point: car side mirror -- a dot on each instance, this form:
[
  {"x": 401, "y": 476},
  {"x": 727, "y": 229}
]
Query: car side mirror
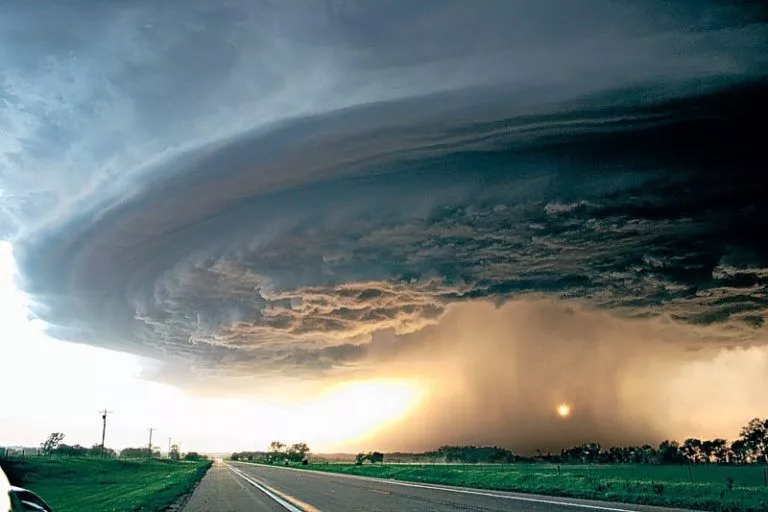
[{"x": 27, "y": 501}]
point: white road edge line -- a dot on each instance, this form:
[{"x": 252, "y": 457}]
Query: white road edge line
[
  {"x": 519, "y": 498},
  {"x": 462, "y": 491},
  {"x": 263, "y": 489}
]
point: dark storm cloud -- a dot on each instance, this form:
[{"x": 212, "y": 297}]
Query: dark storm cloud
[{"x": 260, "y": 187}]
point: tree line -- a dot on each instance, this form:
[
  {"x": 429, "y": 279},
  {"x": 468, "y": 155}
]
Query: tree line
[
  {"x": 278, "y": 452},
  {"x": 750, "y": 447},
  {"x": 53, "y": 445},
  {"x": 372, "y": 457}
]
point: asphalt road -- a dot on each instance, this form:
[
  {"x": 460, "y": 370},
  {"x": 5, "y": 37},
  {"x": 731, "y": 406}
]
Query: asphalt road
[{"x": 237, "y": 487}]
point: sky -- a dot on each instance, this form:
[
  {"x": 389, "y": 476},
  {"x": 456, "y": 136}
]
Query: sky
[{"x": 231, "y": 221}]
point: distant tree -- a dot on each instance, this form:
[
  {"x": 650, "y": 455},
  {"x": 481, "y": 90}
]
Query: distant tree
[
  {"x": 372, "y": 457},
  {"x": 174, "y": 453},
  {"x": 646, "y": 454},
  {"x": 669, "y": 453},
  {"x": 616, "y": 454},
  {"x": 51, "y": 442},
  {"x": 276, "y": 450},
  {"x": 498, "y": 454},
  {"x": 134, "y": 453},
  {"x": 755, "y": 437},
  {"x": 591, "y": 451},
  {"x": 194, "y": 456},
  {"x": 691, "y": 448},
  {"x": 297, "y": 452},
  {"x": 720, "y": 450},
  {"x": 714, "y": 450},
  {"x": 585, "y": 453},
  {"x": 252, "y": 456},
  {"x": 66, "y": 450},
  {"x": 739, "y": 452},
  {"x": 471, "y": 454},
  {"x": 95, "y": 451}
]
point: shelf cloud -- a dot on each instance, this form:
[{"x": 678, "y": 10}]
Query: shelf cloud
[{"x": 261, "y": 188}]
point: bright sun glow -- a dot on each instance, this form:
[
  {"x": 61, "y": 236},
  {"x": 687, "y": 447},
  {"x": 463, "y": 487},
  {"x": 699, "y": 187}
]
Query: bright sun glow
[
  {"x": 357, "y": 409},
  {"x": 564, "y": 410}
]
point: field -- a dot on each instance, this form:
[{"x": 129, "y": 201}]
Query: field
[
  {"x": 714, "y": 487},
  {"x": 101, "y": 485}
]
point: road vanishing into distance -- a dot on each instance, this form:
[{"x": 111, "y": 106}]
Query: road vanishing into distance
[{"x": 241, "y": 487}]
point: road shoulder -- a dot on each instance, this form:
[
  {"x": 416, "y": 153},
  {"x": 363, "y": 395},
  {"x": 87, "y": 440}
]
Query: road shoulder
[{"x": 223, "y": 491}]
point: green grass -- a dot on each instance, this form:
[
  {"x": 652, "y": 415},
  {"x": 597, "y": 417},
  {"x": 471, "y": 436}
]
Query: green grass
[
  {"x": 114, "y": 485},
  {"x": 645, "y": 484}
]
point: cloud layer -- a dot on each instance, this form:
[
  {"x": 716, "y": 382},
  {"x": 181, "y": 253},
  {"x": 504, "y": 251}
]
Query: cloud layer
[{"x": 260, "y": 188}]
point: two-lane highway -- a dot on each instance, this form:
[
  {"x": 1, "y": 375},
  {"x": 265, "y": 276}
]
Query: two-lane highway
[{"x": 238, "y": 487}]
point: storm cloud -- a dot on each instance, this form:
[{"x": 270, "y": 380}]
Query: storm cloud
[{"x": 259, "y": 188}]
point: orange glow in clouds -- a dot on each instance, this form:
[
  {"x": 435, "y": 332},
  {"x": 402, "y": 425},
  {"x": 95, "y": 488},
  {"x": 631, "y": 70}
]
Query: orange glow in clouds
[{"x": 564, "y": 410}]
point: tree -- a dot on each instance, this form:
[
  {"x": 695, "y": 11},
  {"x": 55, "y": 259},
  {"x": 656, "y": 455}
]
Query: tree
[
  {"x": 276, "y": 450},
  {"x": 591, "y": 451},
  {"x": 135, "y": 453},
  {"x": 70, "y": 451},
  {"x": 252, "y": 456},
  {"x": 755, "y": 437},
  {"x": 372, "y": 457},
  {"x": 646, "y": 454},
  {"x": 472, "y": 454},
  {"x": 96, "y": 451},
  {"x": 720, "y": 450},
  {"x": 52, "y": 442},
  {"x": 669, "y": 452},
  {"x": 174, "y": 453},
  {"x": 194, "y": 456},
  {"x": 691, "y": 448},
  {"x": 297, "y": 452},
  {"x": 739, "y": 452},
  {"x": 714, "y": 450}
]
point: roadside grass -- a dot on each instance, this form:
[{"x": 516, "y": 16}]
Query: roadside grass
[
  {"x": 106, "y": 485},
  {"x": 644, "y": 484}
]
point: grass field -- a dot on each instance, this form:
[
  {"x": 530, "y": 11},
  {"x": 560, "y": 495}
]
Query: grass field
[
  {"x": 101, "y": 485},
  {"x": 714, "y": 487}
]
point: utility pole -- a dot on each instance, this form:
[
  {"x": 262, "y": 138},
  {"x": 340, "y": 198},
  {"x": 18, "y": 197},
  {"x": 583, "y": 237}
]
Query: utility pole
[
  {"x": 169, "y": 447},
  {"x": 103, "y": 428},
  {"x": 150, "y": 441}
]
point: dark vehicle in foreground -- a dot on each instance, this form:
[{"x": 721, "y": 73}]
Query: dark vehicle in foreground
[{"x": 16, "y": 499}]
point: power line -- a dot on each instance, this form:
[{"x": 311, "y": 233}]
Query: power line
[{"x": 103, "y": 428}]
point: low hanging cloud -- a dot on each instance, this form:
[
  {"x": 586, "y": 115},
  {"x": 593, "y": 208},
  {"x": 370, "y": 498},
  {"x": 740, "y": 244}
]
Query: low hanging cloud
[{"x": 260, "y": 189}]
